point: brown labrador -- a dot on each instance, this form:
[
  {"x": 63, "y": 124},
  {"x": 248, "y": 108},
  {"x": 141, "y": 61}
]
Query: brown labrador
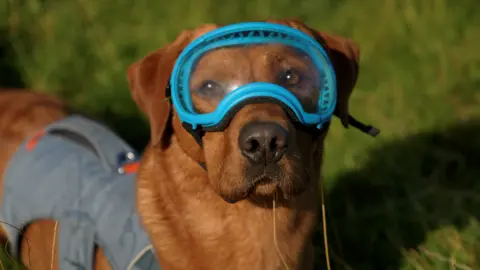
[{"x": 184, "y": 207}]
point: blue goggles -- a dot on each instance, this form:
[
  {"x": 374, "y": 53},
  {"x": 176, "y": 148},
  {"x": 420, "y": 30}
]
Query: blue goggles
[
  {"x": 254, "y": 62},
  {"x": 215, "y": 75}
]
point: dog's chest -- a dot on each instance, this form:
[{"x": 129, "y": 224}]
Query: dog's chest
[
  {"x": 223, "y": 238},
  {"x": 53, "y": 177}
]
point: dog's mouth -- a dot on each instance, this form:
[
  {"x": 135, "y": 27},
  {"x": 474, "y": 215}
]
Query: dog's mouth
[
  {"x": 268, "y": 189},
  {"x": 262, "y": 187},
  {"x": 263, "y": 184},
  {"x": 269, "y": 185},
  {"x": 264, "y": 190}
]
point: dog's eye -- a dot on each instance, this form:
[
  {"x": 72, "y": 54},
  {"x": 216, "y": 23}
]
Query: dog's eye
[
  {"x": 210, "y": 88},
  {"x": 289, "y": 78}
]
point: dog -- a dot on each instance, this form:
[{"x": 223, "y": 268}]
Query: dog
[
  {"x": 243, "y": 196},
  {"x": 223, "y": 200}
]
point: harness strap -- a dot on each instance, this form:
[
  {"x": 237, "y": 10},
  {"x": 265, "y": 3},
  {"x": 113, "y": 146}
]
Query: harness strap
[
  {"x": 105, "y": 144},
  {"x": 145, "y": 260},
  {"x": 77, "y": 233},
  {"x": 76, "y": 245}
]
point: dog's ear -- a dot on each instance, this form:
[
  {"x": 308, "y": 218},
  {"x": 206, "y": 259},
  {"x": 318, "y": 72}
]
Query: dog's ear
[
  {"x": 148, "y": 80},
  {"x": 344, "y": 54},
  {"x": 149, "y": 77}
]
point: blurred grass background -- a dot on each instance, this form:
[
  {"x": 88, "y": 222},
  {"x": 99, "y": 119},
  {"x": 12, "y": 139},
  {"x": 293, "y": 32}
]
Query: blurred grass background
[{"x": 409, "y": 199}]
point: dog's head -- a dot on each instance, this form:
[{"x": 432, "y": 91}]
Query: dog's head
[{"x": 261, "y": 153}]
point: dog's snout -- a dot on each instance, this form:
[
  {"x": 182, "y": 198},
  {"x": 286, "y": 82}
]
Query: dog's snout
[{"x": 263, "y": 142}]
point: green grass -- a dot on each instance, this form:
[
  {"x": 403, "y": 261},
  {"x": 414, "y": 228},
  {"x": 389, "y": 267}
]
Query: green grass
[{"x": 409, "y": 199}]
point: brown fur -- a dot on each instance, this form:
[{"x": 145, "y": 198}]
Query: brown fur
[{"x": 181, "y": 205}]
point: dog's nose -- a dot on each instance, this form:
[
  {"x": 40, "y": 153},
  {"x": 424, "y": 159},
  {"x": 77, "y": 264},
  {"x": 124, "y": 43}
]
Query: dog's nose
[{"x": 263, "y": 142}]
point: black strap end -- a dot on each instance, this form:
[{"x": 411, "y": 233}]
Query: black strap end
[
  {"x": 370, "y": 130},
  {"x": 373, "y": 131}
]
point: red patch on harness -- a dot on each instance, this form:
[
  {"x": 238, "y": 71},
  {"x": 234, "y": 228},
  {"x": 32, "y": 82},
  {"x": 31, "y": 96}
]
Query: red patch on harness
[
  {"x": 34, "y": 140},
  {"x": 131, "y": 167}
]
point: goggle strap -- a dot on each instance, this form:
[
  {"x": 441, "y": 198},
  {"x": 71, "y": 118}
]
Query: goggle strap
[
  {"x": 370, "y": 130},
  {"x": 197, "y": 134}
]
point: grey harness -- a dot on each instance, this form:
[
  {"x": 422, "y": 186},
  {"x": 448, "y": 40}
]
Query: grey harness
[{"x": 74, "y": 173}]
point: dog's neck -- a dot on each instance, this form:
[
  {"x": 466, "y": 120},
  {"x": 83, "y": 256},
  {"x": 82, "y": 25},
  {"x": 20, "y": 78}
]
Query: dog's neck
[{"x": 192, "y": 227}]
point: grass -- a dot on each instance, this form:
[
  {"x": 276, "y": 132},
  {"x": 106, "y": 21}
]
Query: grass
[{"x": 409, "y": 199}]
